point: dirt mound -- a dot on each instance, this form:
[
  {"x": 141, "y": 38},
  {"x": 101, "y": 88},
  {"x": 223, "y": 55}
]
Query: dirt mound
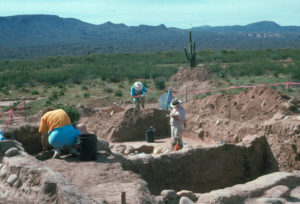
[
  {"x": 196, "y": 74},
  {"x": 256, "y": 103},
  {"x": 223, "y": 118},
  {"x": 118, "y": 124}
]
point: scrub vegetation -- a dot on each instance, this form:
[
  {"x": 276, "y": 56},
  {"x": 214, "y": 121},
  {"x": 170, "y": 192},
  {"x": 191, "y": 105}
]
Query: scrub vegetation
[{"x": 107, "y": 78}]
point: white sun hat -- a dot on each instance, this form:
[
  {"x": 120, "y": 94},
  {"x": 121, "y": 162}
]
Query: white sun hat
[
  {"x": 138, "y": 85},
  {"x": 175, "y": 102}
]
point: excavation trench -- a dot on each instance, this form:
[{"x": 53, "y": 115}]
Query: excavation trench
[
  {"x": 204, "y": 169},
  {"x": 197, "y": 169}
]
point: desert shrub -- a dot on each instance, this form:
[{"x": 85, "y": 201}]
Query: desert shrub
[
  {"x": 108, "y": 90},
  {"x": 159, "y": 83},
  {"x": 86, "y": 95},
  {"x": 119, "y": 93},
  {"x": 48, "y": 102},
  {"x": 84, "y": 88},
  {"x": 70, "y": 110},
  {"x": 34, "y": 92},
  {"x": 54, "y": 94},
  {"x": 61, "y": 92}
]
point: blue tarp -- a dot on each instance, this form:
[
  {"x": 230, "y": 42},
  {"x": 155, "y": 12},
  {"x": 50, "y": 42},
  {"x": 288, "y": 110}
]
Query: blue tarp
[{"x": 165, "y": 100}]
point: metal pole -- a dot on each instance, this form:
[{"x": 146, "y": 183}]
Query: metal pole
[
  {"x": 185, "y": 93},
  {"x": 229, "y": 103}
]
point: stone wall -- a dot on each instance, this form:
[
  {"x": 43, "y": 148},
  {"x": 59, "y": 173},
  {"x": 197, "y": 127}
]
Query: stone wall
[{"x": 24, "y": 179}]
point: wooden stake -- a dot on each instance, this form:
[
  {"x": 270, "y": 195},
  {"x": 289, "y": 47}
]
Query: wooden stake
[{"x": 123, "y": 198}]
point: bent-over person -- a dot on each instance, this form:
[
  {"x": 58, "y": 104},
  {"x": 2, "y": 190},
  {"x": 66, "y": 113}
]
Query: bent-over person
[{"x": 61, "y": 132}]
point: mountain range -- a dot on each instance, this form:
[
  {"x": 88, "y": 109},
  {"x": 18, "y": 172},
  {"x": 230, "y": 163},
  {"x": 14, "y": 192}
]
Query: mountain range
[{"x": 27, "y": 36}]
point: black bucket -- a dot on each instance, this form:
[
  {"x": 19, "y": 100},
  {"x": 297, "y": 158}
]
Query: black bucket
[
  {"x": 149, "y": 135},
  {"x": 87, "y": 147}
]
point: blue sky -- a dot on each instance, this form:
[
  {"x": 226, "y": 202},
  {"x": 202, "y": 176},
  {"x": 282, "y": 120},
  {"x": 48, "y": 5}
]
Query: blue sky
[{"x": 172, "y": 13}]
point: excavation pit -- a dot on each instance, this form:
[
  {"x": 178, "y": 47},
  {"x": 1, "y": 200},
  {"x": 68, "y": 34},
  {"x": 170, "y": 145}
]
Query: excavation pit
[{"x": 204, "y": 169}]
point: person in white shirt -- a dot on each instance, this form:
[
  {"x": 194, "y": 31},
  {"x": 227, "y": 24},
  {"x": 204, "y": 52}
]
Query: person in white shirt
[{"x": 177, "y": 119}]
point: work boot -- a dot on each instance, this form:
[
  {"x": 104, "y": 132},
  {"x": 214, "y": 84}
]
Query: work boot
[{"x": 57, "y": 154}]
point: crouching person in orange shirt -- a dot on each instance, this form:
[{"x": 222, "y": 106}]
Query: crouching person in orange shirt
[{"x": 61, "y": 132}]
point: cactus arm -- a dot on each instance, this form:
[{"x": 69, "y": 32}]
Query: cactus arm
[{"x": 187, "y": 55}]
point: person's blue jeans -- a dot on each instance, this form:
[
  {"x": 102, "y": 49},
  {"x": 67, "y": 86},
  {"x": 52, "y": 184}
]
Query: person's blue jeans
[{"x": 63, "y": 136}]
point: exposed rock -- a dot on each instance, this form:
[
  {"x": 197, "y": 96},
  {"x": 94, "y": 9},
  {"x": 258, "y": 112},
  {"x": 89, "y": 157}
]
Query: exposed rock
[
  {"x": 169, "y": 194},
  {"x": 278, "y": 116},
  {"x": 120, "y": 148},
  {"x": 3, "y": 172},
  {"x": 188, "y": 194},
  {"x": 12, "y": 179},
  {"x": 263, "y": 103},
  {"x": 160, "y": 200},
  {"x": 239, "y": 193},
  {"x": 295, "y": 193},
  {"x": 34, "y": 177},
  {"x": 129, "y": 150},
  {"x": 277, "y": 192},
  {"x": 7, "y": 144},
  {"x": 185, "y": 200},
  {"x": 249, "y": 139},
  {"x": 200, "y": 132},
  {"x": 12, "y": 152},
  {"x": 157, "y": 150}
]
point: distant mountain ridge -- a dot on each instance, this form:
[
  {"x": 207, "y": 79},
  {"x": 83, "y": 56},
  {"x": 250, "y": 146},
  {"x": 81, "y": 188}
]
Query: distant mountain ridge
[
  {"x": 26, "y": 36},
  {"x": 262, "y": 26}
]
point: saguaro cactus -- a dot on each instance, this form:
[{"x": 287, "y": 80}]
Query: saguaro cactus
[{"x": 192, "y": 55}]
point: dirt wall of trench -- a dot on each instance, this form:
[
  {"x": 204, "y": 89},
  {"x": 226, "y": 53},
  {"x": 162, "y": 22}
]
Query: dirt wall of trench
[
  {"x": 205, "y": 169},
  {"x": 28, "y": 135}
]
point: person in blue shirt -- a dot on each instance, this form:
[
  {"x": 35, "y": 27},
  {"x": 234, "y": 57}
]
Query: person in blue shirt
[{"x": 138, "y": 93}]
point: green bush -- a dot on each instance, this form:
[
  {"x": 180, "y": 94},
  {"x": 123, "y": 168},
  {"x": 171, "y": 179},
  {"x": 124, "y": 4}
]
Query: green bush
[
  {"x": 121, "y": 86},
  {"x": 34, "y": 92},
  {"x": 108, "y": 90},
  {"x": 159, "y": 83},
  {"x": 86, "y": 95},
  {"x": 54, "y": 94},
  {"x": 70, "y": 110},
  {"x": 61, "y": 92},
  {"x": 119, "y": 93},
  {"x": 84, "y": 88}
]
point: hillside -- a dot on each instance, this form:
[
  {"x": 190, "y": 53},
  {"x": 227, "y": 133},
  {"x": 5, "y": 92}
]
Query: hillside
[{"x": 27, "y": 36}]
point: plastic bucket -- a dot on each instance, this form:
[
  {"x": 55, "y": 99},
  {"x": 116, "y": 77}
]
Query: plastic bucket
[
  {"x": 87, "y": 147},
  {"x": 149, "y": 135}
]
